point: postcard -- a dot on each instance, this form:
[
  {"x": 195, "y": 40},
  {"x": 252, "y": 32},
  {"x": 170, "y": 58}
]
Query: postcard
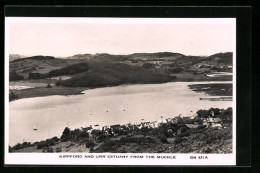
[{"x": 120, "y": 91}]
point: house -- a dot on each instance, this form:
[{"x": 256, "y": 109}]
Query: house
[
  {"x": 124, "y": 127},
  {"x": 154, "y": 124},
  {"x": 145, "y": 124},
  {"x": 212, "y": 122},
  {"x": 97, "y": 127},
  {"x": 87, "y": 128},
  {"x": 104, "y": 128},
  {"x": 115, "y": 127},
  {"x": 174, "y": 120},
  {"x": 139, "y": 126}
]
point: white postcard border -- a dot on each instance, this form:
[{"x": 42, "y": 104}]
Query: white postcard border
[{"x": 73, "y": 158}]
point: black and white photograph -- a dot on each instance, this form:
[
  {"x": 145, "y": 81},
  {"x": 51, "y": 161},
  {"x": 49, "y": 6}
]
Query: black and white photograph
[{"x": 120, "y": 91}]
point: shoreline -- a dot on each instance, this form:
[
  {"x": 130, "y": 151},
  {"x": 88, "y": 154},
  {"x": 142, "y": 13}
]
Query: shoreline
[
  {"x": 65, "y": 91},
  {"x": 43, "y": 92}
]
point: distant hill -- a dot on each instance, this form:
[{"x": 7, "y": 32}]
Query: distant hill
[
  {"x": 13, "y": 57},
  {"x": 219, "y": 58},
  {"x": 226, "y": 58},
  {"x": 36, "y": 58},
  {"x": 113, "y": 69},
  {"x": 80, "y": 56},
  {"x": 135, "y": 56}
]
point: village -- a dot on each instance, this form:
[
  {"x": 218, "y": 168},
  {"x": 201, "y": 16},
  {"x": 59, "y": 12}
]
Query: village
[
  {"x": 202, "y": 133},
  {"x": 208, "y": 121}
]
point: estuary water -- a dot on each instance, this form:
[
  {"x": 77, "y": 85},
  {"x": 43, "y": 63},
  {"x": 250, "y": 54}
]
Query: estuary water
[{"x": 104, "y": 106}]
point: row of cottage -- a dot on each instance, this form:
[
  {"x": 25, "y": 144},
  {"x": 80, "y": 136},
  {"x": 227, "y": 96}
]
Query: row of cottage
[{"x": 208, "y": 122}]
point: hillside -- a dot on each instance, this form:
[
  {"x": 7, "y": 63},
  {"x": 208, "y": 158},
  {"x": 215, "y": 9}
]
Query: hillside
[
  {"x": 36, "y": 58},
  {"x": 225, "y": 58},
  {"x": 107, "y": 74},
  {"x": 25, "y": 66},
  {"x": 13, "y": 57},
  {"x": 164, "y": 63}
]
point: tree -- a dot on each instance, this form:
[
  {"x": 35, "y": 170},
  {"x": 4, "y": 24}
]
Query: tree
[
  {"x": 96, "y": 133},
  {"x": 66, "y": 134}
]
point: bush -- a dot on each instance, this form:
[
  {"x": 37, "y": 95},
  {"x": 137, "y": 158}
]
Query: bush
[
  {"x": 163, "y": 139},
  {"x": 52, "y": 141},
  {"x": 47, "y": 149},
  {"x": 17, "y": 147},
  {"x": 78, "y": 134},
  {"x": 169, "y": 133},
  {"x": 207, "y": 150},
  {"x": 58, "y": 150},
  {"x": 101, "y": 137},
  {"x": 179, "y": 140},
  {"x": 96, "y": 132},
  {"x": 122, "y": 132},
  {"x": 184, "y": 134},
  {"x": 184, "y": 129},
  {"x": 209, "y": 140},
  {"x": 42, "y": 145},
  {"x": 90, "y": 143},
  {"x": 202, "y": 137},
  {"x": 109, "y": 146},
  {"x": 91, "y": 149}
]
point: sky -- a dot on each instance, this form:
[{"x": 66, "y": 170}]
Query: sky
[{"x": 69, "y": 38}]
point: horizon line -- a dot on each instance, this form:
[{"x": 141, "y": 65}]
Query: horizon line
[{"x": 25, "y": 56}]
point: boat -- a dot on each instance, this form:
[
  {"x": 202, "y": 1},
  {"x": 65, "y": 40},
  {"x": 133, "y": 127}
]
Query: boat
[
  {"x": 107, "y": 109},
  {"x": 34, "y": 127}
]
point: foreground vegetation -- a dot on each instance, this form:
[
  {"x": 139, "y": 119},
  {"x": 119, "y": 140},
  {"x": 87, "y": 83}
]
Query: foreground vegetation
[{"x": 185, "y": 135}]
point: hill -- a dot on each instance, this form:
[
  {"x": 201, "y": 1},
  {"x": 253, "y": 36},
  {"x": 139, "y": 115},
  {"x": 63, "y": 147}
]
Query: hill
[
  {"x": 108, "y": 74},
  {"x": 36, "y": 58},
  {"x": 163, "y": 63},
  {"x": 226, "y": 58},
  {"x": 13, "y": 57}
]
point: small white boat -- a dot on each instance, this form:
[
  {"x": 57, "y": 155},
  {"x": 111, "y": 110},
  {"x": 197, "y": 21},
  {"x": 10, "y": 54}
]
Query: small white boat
[
  {"x": 34, "y": 127},
  {"x": 107, "y": 108}
]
